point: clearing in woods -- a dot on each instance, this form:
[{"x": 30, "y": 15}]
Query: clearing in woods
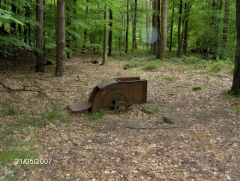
[{"x": 36, "y": 124}]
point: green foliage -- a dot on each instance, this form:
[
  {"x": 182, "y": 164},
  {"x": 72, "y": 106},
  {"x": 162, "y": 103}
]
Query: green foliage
[
  {"x": 97, "y": 115},
  {"x": 217, "y": 66}
]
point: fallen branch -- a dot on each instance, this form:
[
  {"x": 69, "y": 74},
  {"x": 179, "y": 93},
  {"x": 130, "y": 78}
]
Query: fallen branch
[
  {"x": 9, "y": 89},
  {"x": 155, "y": 127}
]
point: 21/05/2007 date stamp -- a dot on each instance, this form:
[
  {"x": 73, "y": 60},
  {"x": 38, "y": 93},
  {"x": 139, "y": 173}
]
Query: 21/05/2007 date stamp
[{"x": 37, "y": 161}]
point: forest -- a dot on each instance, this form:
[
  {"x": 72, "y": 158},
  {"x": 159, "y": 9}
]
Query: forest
[{"x": 119, "y": 90}]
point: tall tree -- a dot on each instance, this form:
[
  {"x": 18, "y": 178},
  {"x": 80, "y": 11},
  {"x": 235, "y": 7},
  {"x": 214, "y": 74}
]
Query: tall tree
[
  {"x": 163, "y": 37},
  {"x": 171, "y": 29},
  {"x": 105, "y": 42},
  {"x": 14, "y": 11},
  {"x": 134, "y": 37},
  {"x": 110, "y": 33},
  {"x": 179, "y": 29},
  {"x": 127, "y": 28},
  {"x": 85, "y": 30},
  {"x": 147, "y": 24},
  {"x": 186, "y": 22},
  {"x": 27, "y": 26},
  {"x": 40, "y": 36},
  {"x": 225, "y": 27},
  {"x": 61, "y": 56},
  {"x": 236, "y": 76},
  {"x": 155, "y": 26}
]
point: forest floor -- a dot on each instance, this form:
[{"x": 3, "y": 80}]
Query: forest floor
[{"x": 36, "y": 124}]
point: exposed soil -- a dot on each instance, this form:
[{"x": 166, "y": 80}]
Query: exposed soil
[{"x": 208, "y": 148}]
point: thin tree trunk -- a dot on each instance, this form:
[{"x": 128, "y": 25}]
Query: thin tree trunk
[
  {"x": 60, "y": 63},
  {"x": 171, "y": 30},
  {"x": 179, "y": 29},
  {"x": 27, "y": 27},
  {"x": 147, "y": 25},
  {"x": 127, "y": 29},
  {"x": 40, "y": 36},
  {"x": 110, "y": 33},
  {"x": 163, "y": 38},
  {"x": 155, "y": 26},
  {"x": 14, "y": 11},
  {"x": 68, "y": 38},
  {"x": 85, "y": 31},
  {"x": 105, "y": 42},
  {"x": 185, "y": 36},
  {"x": 225, "y": 27},
  {"x": 134, "y": 42},
  {"x": 236, "y": 76}
]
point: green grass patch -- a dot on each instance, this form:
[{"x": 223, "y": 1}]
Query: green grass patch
[
  {"x": 132, "y": 64},
  {"x": 10, "y": 156},
  {"x": 151, "y": 66},
  {"x": 237, "y": 109},
  {"x": 97, "y": 115},
  {"x": 9, "y": 110}
]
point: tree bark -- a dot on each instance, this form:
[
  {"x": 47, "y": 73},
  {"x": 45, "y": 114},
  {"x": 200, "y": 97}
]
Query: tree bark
[
  {"x": 105, "y": 42},
  {"x": 147, "y": 25},
  {"x": 134, "y": 41},
  {"x": 179, "y": 29},
  {"x": 110, "y": 33},
  {"x": 127, "y": 29},
  {"x": 171, "y": 30},
  {"x": 163, "y": 38},
  {"x": 40, "y": 36},
  {"x": 236, "y": 76},
  {"x": 61, "y": 56}
]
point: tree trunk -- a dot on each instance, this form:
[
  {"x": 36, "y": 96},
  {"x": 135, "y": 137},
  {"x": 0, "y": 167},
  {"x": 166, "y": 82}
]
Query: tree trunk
[
  {"x": 40, "y": 36},
  {"x": 134, "y": 41},
  {"x": 225, "y": 27},
  {"x": 155, "y": 26},
  {"x": 105, "y": 42},
  {"x": 185, "y": 36},
  {"x": 179, "y": 29},
  {"x": 14, "y": 11},
  {"x": 85, "y": 31},
  {"x": 68, "y": 38},
  {"x": 60, "y": 63},
  {"x": 171, "y": 30},
  {"x": 127, "y": 29},
  {"x": 236, "y": 76},
  {"x": 147, "y": 25},
  {"x": 27, "y": 27},
  {"x": 163, "y": 38},
  {"x": 110, "y": 34}
]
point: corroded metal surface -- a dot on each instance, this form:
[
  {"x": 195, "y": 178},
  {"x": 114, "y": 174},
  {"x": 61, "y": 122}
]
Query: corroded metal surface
[{"x": 115, "y": 94}]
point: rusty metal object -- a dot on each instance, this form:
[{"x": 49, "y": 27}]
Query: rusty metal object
[{"x": 115, "y": 94}]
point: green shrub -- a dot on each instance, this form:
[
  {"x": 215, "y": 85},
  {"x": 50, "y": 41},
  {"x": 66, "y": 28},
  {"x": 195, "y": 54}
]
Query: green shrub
[{"x": 197, "y": 88}]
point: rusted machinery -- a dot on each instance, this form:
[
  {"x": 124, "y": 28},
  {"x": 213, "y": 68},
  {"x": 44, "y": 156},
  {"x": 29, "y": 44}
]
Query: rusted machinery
[{"x": 117, "y": 94}]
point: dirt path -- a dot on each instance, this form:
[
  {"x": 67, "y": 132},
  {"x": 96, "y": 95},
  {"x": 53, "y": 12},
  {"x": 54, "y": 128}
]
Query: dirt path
[{"x": 206, "y": 149}]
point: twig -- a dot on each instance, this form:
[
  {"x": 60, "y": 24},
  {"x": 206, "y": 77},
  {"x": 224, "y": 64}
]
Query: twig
[
  {"x": 156, "y": 127},
  {"x": 9, "y": 89}
]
